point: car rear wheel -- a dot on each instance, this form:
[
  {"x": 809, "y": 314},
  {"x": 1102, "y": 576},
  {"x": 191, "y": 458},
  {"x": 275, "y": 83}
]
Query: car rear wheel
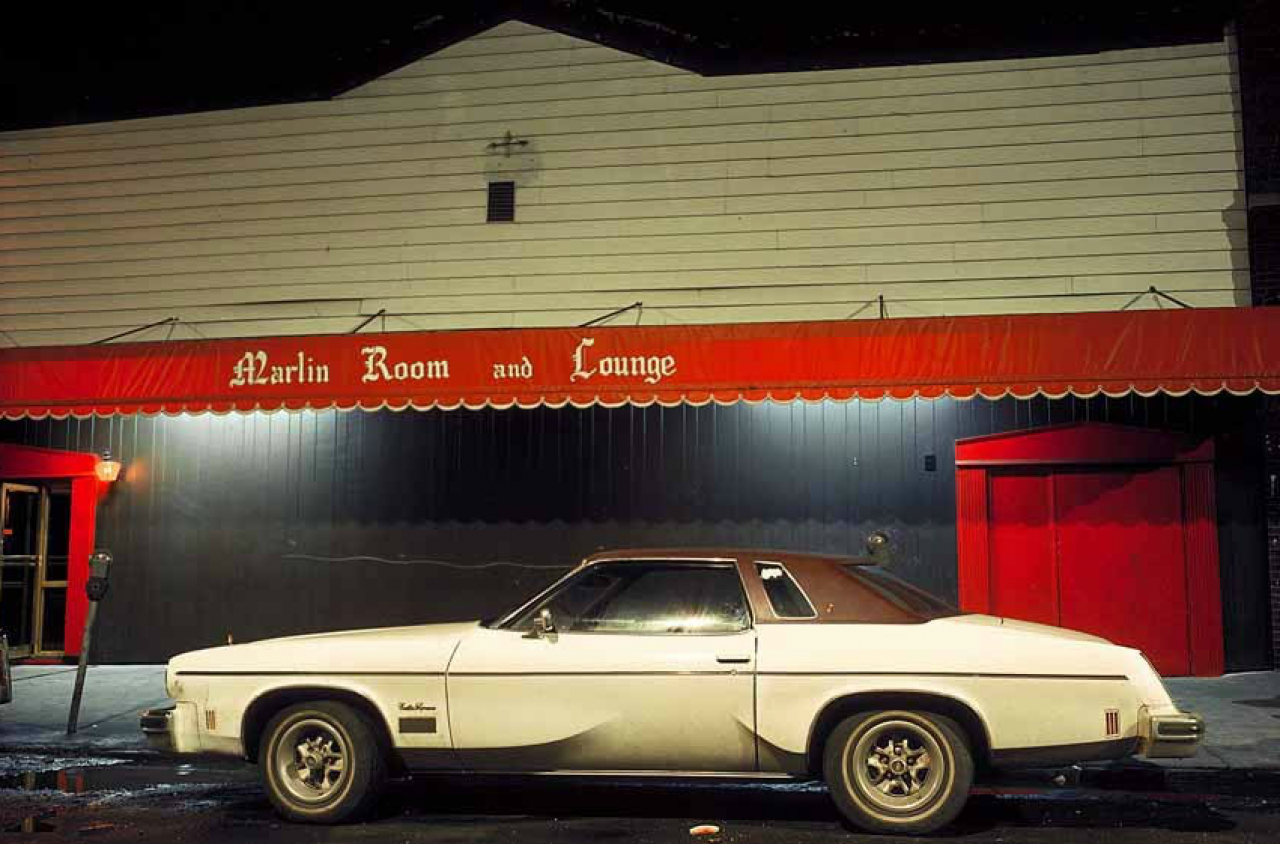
[
  {"x": 322, "y": 763},
  {"x": 898, "y": 771}
]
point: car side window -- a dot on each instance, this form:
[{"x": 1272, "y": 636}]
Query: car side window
[
  {"x": 785, "y": 595},
  {"x": 644, "y": 597}
]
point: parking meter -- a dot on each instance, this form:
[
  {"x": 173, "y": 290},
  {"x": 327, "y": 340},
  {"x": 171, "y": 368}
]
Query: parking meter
[
  {"x": 95, "y": 589},
  {"x": 99, "y": 567}
]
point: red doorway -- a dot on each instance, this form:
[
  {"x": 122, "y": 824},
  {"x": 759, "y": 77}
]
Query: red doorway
[
  {"x": 76, "y": 470},
  {"x": 1098, "y": 528}
]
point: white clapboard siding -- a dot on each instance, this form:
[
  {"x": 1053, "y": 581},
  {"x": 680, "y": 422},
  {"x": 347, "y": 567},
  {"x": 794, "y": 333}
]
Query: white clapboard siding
[{"x": 1054, "y": 183}]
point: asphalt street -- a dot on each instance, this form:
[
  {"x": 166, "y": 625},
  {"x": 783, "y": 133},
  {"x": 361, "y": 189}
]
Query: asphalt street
[{"x": 142, "y": 798}]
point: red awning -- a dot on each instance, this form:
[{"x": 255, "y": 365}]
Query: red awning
[{"x": 1174, "y": 352}]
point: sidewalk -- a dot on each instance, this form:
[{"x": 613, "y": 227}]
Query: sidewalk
[
  {"x": 114, "y": 695},
  {"x": 1242, "y": 712},
  {"x": 1242, "y": 715}
]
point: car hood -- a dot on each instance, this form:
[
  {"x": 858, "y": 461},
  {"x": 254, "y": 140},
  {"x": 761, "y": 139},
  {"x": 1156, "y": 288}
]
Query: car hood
[
  {"x": 424, "y": 648},
  {"x": 1013, "y": 624}
]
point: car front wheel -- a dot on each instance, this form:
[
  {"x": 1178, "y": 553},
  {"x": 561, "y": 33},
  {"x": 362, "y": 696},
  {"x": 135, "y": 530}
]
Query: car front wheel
[
  {"x": 898, "y": 771},
  {"x": 322, "y": 762}
]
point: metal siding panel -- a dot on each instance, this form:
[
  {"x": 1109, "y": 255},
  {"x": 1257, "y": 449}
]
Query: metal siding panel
[
  {"x": 1023, "y": 577},
  {"x": 288, "y": 178},
  {"x": 972, "y": 539},
  {"x": 1204, "y": 588}
]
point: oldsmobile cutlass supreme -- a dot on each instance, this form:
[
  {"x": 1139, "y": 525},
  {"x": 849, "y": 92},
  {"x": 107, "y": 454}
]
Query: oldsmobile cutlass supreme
[{"x": 685, "y": 661}]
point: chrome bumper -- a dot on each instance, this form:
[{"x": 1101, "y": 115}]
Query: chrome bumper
[
  {"x": 1174, "y": 736},
  {"x": 172, "y": 729},
  {"x": 156, "y": 724}
]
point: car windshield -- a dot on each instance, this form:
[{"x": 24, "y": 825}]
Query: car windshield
[{"x": 900, "y": 593}]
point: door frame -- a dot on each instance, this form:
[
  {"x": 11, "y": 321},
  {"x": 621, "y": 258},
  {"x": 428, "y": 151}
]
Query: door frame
[
  {"x": 25, "y": 463},
  {"x": 1099, "y": 444},
  {"x": 18, "y": 651}
]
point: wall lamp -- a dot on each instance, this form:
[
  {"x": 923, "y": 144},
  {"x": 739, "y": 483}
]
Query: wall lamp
[{"x": 107, "y": 469}]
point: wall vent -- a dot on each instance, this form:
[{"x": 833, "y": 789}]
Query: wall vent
[{"x": 502, "y": 202}]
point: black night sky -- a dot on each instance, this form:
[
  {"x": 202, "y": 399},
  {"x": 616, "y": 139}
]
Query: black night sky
[{"x": 73, "y": 63}]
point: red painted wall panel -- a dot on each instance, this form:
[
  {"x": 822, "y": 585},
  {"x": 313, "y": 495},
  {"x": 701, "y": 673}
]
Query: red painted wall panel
[
  {"x": 84, "y": 509},
  {"x": 1204, "y": 588},
  {"x": 973, "y": 557},
  {"x": 1121, "y": 562},
  {"x": 1023, "y": 572}
]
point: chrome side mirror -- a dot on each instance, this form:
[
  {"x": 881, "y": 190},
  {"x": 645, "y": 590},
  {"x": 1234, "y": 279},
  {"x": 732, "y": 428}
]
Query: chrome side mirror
[{"x": 543, "y": 625}]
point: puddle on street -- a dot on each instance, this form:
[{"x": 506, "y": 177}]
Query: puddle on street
[
  {"x": 13, "y": 764},
  {"x": 81, "y": 776},
  {"x": 31, "y": 823}
]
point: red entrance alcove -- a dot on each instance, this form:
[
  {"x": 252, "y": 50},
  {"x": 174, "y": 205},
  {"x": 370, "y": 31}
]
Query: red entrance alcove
[
  {"x": 37, "y": 464},
  {"x": 1101, "y": 528}
]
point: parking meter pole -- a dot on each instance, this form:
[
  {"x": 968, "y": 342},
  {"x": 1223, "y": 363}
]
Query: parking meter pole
[
  {"x": 99, "y": 565},
  {"x": 74, "y": 718}
]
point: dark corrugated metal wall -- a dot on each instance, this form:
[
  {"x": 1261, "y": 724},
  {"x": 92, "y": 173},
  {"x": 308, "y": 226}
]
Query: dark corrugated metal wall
[{"x": 271, "y": 524}]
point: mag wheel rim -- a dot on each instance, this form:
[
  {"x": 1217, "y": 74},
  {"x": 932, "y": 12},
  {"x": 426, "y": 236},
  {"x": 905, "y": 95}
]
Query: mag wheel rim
[
  {"x": 311, "y": 760},
  {"x": 898, "y": 766}
]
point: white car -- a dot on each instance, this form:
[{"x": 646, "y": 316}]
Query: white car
[{"x": 684, "y": 661}]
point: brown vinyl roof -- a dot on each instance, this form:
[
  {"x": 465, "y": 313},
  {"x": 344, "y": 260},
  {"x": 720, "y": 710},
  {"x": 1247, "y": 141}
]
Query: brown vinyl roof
[
  {"x": 695, "y": 554},
  {"x": 837, "y": 595}
]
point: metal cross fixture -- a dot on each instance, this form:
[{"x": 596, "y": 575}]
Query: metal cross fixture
[{"x": 508, "y": 141}]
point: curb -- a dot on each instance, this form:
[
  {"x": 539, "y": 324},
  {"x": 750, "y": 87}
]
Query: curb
[{"x": 1235, "y": 782}]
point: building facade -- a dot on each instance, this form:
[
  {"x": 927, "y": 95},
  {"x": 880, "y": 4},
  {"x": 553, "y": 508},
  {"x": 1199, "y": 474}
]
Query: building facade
[{"x": 523, "y": 178}]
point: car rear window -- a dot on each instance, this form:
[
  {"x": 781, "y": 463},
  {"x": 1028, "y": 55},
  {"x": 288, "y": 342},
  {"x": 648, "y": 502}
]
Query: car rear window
[
  {"x": 784, "y": 595},
  {"x": 900, "y": 593}
]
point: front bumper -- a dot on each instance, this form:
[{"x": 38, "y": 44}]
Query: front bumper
[
  {"x": 172, "y": 729},
  {"x": 1175, "y": 735}
]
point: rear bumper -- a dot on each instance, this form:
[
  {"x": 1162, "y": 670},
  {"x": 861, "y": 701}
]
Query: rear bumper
[
  {"x": 1170, "y": 735},
  {"x": 1174, "y": 735},
  {"x": 172, "y": 729}
]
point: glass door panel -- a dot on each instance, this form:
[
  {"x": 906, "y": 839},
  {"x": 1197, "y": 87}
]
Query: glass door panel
[
  {"x": 20, "y": 546},
  {"x": 51, "y": 596}
]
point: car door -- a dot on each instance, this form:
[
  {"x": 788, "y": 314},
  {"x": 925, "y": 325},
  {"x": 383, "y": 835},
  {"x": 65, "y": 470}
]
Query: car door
[{"x": 650, "y": 668}]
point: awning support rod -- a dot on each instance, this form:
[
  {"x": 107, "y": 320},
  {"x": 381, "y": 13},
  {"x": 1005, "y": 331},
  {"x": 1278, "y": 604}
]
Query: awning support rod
[
  {"x": 611, "y": 315},
  {"x": 1163, "y": 295},
  {"x": 360, "y": 327},
  {"x": 165, "y": 321},
  {"x": 1152, "y": 291}
]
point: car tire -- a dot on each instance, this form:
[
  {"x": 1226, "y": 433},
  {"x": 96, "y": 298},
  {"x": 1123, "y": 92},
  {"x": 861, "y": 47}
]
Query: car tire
[
  {"x": 322, "y": 763},
  {"x": 898, "y": 771}
]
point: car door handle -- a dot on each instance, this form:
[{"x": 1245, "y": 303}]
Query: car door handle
[{"x": 733, "y": 660}]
